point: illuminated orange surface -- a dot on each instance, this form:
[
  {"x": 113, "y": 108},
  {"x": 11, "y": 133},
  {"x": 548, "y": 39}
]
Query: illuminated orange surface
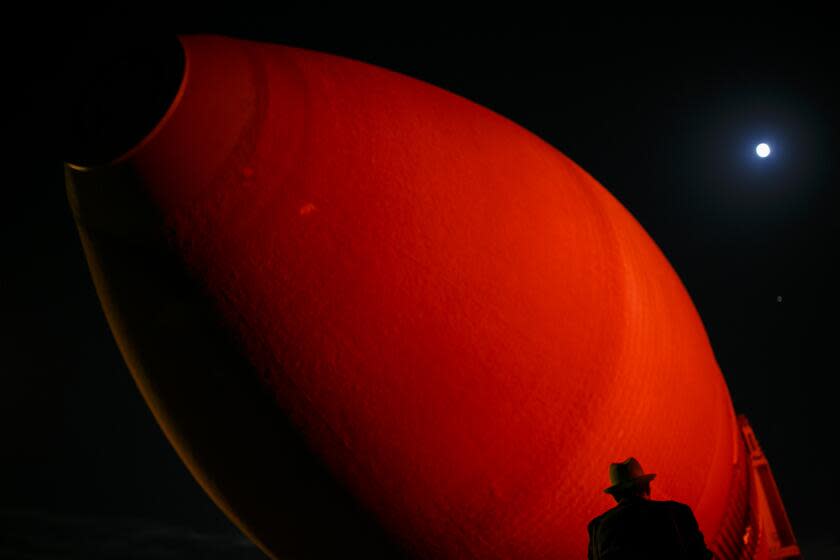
[{"x": 464, "y": 326}]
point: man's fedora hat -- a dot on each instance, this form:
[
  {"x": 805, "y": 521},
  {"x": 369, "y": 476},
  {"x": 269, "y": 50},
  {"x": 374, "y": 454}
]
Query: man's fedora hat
[{"x": 627, "y": 474}]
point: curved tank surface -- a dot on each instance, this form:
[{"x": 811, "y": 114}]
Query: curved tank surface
[{"x": 377, "y": 319}]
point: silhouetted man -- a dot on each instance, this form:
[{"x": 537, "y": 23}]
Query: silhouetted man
[{"x": 641, "y": 528}]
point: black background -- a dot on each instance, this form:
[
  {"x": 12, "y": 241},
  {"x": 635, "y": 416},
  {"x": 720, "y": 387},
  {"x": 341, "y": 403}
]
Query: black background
[{"x": 665, "y": 113}]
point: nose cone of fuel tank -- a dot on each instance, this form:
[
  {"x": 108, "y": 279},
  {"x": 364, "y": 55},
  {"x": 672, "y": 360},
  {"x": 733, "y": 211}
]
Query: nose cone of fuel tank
[{"x": 375, "y": 318}]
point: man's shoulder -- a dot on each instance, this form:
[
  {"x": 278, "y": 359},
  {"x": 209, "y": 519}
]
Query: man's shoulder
[
  {"x": 598, "y": 519},
  {"x": 595, "y": 520},
  {"x": 670, "y": 505},
  {"x": 613, "y": 512},
  {"x": 677, "y": 507},
  {"x": 676, "y": 510}
]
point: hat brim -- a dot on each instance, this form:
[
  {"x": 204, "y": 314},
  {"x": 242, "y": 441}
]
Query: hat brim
[{"x": 629, "y": 483}]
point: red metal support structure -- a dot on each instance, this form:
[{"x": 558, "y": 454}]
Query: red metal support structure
[{"x": 766, "y": 501}]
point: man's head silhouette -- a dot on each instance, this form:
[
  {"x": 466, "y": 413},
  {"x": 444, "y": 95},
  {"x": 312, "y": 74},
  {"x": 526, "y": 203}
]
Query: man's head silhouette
[{"x": 628, "y": 479}]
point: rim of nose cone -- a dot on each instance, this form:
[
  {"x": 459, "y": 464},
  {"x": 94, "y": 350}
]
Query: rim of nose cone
[{"x": 125, "y": 98}]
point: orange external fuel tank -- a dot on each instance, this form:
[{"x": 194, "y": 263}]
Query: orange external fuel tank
[{"x": 377, "y": 319}]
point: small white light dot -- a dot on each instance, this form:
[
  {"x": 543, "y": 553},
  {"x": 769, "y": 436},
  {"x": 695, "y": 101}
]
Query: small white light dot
[
  {"x": 763, "y": 150},
  {"x": 779, "y": 299}
]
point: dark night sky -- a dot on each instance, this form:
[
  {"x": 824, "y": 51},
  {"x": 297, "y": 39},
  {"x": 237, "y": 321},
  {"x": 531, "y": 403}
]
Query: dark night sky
[{"x": 664, "y": 113}]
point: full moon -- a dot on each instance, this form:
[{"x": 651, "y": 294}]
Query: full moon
[{"x": 763, "y": 150}]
